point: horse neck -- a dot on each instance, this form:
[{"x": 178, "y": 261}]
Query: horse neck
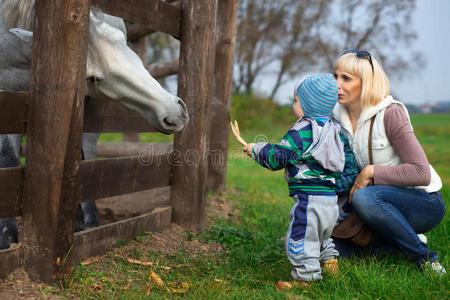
[{"x": 17, "y": 13}]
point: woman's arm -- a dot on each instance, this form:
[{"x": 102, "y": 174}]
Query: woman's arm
[{"x": 414, "y": 170}]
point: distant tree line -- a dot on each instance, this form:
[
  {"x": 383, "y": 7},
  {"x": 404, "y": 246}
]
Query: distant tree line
[
  {"x": 285, "y": 39},
  {"x": 439, "y": 107}
]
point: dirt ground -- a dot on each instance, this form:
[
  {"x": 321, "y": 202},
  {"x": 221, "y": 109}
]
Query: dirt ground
[{"x": 19, "y": 286}]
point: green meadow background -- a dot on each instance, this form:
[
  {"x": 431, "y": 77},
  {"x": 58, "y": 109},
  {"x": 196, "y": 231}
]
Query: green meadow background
[{"x": 254, "y": 260}]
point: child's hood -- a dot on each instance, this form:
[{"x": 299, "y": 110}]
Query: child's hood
[{"x": 326, "y": 148}]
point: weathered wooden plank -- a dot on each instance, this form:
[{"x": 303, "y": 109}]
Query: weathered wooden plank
[
  {"x": 9, "y": 261},
  {"x": 11, "y": 186},
  {"x": 225, "y": 42},
  {"x": 155, "y": 14},
  {"x": 132, "y": 149},
  {"x": 137, "y": 31},
  {"x": 55, "y": 114},
  {"x": 99, "y": 240},
  {"x": 113, "y": 209},
  {"x": 164, "y": 69},
  {"x": 140, "y": 47},
  {"x": 100, "y": 178},
  {"x": 112, "y": 117},
  {"x": 98, "y": 116},
  {"x": 195, "y": 86},
  {"x": 13, "y": 112},
  {"x": 131, "y": 137},
  {"x": 117, "y": 176}
]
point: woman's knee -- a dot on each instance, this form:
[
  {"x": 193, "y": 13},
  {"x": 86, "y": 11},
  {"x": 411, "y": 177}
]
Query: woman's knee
[{"x": 362, "y": 199}]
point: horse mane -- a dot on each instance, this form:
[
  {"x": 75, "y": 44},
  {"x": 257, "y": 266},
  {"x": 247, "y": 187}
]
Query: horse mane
[
  {"x": 20, "y": 13},
  {"x": 17, "y": 13}
]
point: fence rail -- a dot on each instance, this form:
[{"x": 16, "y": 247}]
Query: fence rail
[
  {"x": 155, "y": 14},
  {"x": 99, "y": 179},
  {"x": 96, "y": 241},
  {"x": 11, "y": 187},
  {"x": 117, "y": 176},
  {"x": 98, "y": 116},
  {"x": 13, "y": 112}
]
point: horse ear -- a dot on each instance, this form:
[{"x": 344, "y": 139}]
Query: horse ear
[{"x": 24, "y": 35}]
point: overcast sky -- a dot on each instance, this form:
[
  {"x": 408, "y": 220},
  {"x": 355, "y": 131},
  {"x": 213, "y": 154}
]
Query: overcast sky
[{"x": 431, "y": 20}]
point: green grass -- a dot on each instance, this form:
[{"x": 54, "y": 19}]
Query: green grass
[
  {"x": 433, "y": 132},
  {"x": 146, "y": 137},
  {"x": 254, "y": 260}
]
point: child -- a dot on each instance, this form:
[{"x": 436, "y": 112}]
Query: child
[{"x": 312, "y": 153}]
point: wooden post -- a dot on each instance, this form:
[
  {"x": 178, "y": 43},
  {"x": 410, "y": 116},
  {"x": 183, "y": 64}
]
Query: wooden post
[
  {"x": 140, "y": 47},
  {"x": 223, "y": 86},
  {"x": 195, "y": 77},
  {"x": 52, "y": 184}
]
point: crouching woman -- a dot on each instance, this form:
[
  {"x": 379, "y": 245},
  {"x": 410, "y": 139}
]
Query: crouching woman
[{"x": 397, "y": 193}]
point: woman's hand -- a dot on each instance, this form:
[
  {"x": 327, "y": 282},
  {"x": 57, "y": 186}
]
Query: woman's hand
[
  {"x": 248, "y": 149},
  {"x": 361, "y": 181}
]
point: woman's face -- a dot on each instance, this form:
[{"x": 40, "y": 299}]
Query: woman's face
[{"x": 349, "y": 87}]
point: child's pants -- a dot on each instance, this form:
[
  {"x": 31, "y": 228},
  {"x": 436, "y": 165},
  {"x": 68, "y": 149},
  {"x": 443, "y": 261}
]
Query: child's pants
[{"x": 308, "y": 241}]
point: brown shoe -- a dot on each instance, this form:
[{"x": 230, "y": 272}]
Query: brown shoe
[
  {"x": 286, "y": 285},
  {"x": 331, "y": 266}
]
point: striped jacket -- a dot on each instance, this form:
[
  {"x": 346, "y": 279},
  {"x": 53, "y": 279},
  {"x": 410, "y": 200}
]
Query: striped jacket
[{"x": 313, "y": 154}]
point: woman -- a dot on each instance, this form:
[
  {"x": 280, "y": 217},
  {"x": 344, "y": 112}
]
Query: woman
[{"x": 398, "y": 196}]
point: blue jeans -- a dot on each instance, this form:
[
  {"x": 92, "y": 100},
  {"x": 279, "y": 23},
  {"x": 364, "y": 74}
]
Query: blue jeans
[{"x": 397, "y": 214}]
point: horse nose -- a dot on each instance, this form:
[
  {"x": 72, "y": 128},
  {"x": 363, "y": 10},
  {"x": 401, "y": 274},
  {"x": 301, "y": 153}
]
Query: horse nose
[{"x": 183, "y": 105}]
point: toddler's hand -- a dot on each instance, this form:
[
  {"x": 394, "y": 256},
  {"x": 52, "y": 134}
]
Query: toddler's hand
[{"x": 248, "y": 149}]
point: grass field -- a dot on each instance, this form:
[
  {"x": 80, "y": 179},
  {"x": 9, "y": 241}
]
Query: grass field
[{"x": 254, "y": 260}]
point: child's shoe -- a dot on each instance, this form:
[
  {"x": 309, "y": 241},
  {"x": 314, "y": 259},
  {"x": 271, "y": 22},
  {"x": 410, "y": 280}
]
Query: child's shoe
[
  {"x": 331, "y": 266},
  {"x": 286, "y": 285}
]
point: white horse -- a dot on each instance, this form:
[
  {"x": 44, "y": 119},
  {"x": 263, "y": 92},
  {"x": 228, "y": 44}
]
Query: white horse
[
  {"x": 113, "y": 73},
  {"x": 113, "y": 70}
]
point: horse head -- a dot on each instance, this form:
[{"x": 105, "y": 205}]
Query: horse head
[{"x": 114, "y": 72}]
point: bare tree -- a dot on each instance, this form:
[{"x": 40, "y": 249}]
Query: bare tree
[
  {"x": 275, "y": 37},
  {"x": 380, "y": 26},
  {"x": 297, "y": 52},
  {"x": 258, "y": 27},
  {"x": 283, "y": 39}
]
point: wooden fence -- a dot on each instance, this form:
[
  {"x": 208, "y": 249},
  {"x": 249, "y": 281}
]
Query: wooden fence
[{"x": 54, "y": 180}]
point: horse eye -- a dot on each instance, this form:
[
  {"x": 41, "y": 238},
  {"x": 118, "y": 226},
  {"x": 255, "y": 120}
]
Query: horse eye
[{"x": 93, "y": 79}]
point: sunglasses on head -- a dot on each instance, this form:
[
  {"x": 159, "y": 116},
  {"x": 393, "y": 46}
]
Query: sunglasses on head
[{"x": 361, "y": 54}]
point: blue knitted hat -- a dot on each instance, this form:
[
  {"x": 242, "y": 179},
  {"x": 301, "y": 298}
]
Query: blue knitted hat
[{"x": 318, "y": 95}]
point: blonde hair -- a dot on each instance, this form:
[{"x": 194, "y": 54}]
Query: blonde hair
[{"x": 374, "y": 85}]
